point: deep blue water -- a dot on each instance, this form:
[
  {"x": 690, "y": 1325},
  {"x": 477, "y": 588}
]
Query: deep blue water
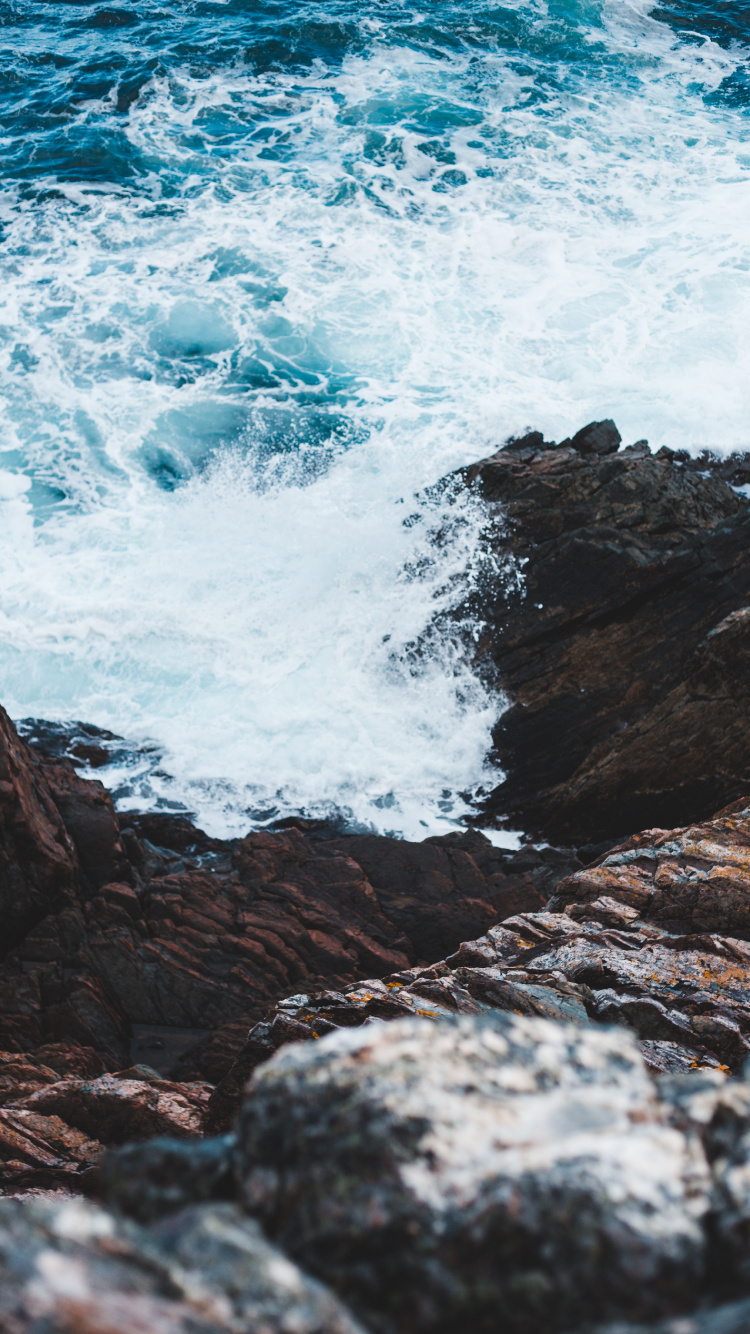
[{"x": 267, "y": 269}]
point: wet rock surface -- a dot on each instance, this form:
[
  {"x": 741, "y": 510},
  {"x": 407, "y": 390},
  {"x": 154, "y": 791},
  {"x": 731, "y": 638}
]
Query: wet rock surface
[{"x": 623, "y": 646}]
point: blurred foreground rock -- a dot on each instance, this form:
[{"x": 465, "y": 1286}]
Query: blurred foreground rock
[
  {"x": 499, "y": 1172},
  {"x": 73, "y": 1268}
]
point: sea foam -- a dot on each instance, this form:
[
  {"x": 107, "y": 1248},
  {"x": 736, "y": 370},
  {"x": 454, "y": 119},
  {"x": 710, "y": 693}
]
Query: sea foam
[{"x": 287, "y": 296}]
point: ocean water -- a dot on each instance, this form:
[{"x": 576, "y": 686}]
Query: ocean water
[{"x": 269, "y": 269}]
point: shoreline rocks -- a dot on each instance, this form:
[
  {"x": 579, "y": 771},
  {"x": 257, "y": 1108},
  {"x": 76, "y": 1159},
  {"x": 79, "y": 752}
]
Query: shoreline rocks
[
  {"x": 177, "y": 947},
  {"x": 623, "y": 647},
  {"x": 459, "y": 1086}
]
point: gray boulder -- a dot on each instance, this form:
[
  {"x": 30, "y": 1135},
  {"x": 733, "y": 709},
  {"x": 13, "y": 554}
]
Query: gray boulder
[
  {"x": 72, "y": 1267},
  {"x": 498, "y": 1172}
]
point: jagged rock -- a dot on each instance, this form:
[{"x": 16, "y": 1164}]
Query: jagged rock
[
  {"x": 21, "y": 1075},
  {"x": 89, "y": 818},
  {"x": 442, "y": 890},
  {"x": 43, "y": 1152},
  {"x": 595, "y": 956},
  {"x": 624, "y": 646},
  {"x": 52, "y": 1129},
  {"x": 75, "y": 1267},
  {"x": 197, "y": 935},
  {"x": 488, "y": 1172},
  {"x": 694, "y": 879},
  {"x": 596, "y": 438}
]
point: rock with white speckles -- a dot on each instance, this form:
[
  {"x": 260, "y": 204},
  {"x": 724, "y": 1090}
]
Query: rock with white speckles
[
  {"x": 499, "y": 1172},
  {"x": 73, "y": 1268}
]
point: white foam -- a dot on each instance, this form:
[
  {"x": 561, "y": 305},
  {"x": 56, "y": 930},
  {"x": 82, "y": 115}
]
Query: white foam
[{"x": 600, "y": 269}]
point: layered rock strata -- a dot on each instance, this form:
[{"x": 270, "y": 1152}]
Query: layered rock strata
[
  {"x": 655, "y": 936},
  {"x": 118, "y": 948}
]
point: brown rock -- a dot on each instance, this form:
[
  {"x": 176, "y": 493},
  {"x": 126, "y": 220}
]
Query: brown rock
[
  {"x": 116, "y": 1110},
  {"x": 629, "y": 941},
  {"x": 435, "y": 892},
  {"x": 688, "y": 880},
  {"x": 40, "y": 1151},
  {"x": 89, "y": 818},
  {"x": 38, "y": 864}
]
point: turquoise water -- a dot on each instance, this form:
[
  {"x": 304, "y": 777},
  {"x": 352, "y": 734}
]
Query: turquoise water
[{"x": 267, "y": 270}]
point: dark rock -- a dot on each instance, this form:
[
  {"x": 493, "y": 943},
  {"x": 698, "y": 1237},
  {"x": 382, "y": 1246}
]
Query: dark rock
[
  {"x": 147, "y": 1181},
  {"x": 169, "y": 831},
  {"x": 501, "y": 1172},
  {"x": 73, "y": 1268},
  {"x": 597, "y": 438},
  {"x": 622, "y": 645},
  {"x": 213, "y": 1057},
  {"x": 435, "y": 892},
  {"x": 89, "y": 818}
]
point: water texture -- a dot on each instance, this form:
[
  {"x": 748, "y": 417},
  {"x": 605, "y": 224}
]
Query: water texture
[{"x": 270, "y": 268}]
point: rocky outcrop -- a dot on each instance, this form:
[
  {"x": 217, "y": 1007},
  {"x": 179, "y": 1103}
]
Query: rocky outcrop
[
  {"x": 623, "y": 646},
  {"x": 497, "y": 1172},
  {"x": 153, "y": 928},
  {"x": 71, "y": 1267},
  {"x": 53, "y": 1129},
  {"x": 632, "y": 940},
  {"x": 486, "y": 1171},
  {"x": 688, "y": 880},
  {"x": 654, "y": 936}
]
